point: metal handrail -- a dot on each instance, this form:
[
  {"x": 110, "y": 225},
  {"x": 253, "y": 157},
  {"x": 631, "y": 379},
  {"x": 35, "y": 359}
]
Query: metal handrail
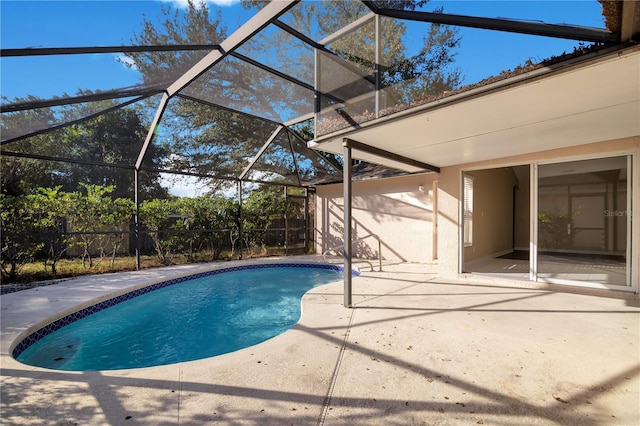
[{"x": 324, "y": 253}]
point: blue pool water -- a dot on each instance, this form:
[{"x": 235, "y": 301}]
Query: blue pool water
[{"x": 197, "y": 318}]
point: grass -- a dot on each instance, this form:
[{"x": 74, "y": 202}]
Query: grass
[{"x": 73, "y": 267}]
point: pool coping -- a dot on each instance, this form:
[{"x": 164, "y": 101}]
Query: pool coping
[{"x": 53, "y": 323}]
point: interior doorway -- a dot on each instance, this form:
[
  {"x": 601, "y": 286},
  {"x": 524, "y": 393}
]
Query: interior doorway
[{"x": 499, "y": 222}]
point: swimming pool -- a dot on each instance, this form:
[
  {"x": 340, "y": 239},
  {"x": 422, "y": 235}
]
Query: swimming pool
[{"x": 207, "y": 314}]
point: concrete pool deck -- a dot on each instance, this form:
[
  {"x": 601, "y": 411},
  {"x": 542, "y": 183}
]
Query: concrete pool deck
[{"x": 415, "y": 349}]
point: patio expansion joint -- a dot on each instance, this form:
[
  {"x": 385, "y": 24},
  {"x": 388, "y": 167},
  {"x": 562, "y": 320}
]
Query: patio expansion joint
[{"x": 336, "y": 372}]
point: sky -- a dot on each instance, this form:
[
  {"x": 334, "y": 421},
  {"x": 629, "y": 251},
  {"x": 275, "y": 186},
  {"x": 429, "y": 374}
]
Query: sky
[{"x": 55, "y": 23}]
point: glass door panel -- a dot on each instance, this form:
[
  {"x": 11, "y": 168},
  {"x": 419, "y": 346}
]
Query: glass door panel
[
  {"x": 582, "y": 225},
  {"x": 588, "y": 225}
]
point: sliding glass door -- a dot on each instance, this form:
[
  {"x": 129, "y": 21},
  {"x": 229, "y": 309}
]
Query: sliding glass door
[{"x": 584, "y": 221}]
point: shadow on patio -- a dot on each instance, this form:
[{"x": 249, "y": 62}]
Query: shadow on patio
[{"x": 414, "y": 350}]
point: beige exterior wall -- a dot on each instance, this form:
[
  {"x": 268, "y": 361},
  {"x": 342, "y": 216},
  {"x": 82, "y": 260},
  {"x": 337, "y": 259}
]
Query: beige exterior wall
[
  {"x": 449, "y": 196},
  {"x": 393, "y": 208}
]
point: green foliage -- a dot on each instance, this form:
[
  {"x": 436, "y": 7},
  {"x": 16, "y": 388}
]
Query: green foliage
[
  {"x": 180, "y": 27},
  {"x": 257, "y": 212},
  {"x": 555, "y": 230},
  {"x": 218, "y": 142},
  {"x": 113, "y": 138},
  {"x": 19, "y": 242},
  {"x": 50, "y": 207},
  {"x": 159, "y": 215},
  {"x": 262, "y": 208},
  {"x": 210, "y": 219},
  {"x": 187, "y": 225},
  {"x": 203, "y": 138},
  {"x": 96, "y": 211},
  {"x": 48, "y": 223},
  {"x": 19, "y": 176},
  {"x": 40, "y": 225}
]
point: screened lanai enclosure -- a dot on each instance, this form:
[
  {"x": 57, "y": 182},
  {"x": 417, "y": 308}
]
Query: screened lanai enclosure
[{"x": 235, "y": 117}]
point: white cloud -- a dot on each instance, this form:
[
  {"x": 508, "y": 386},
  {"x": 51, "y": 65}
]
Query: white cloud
[
  {"x": 183, "y": 186},
  {"x": 126, "y": 61}
]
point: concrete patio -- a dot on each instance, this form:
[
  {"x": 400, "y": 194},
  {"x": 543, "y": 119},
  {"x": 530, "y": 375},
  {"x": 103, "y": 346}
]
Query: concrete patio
[{"x": 415, "y": 349}]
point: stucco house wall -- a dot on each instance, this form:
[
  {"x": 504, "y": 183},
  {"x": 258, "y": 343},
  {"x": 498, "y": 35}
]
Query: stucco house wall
[{"x": 399, "y": 210}]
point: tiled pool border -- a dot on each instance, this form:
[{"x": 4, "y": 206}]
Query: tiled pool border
[{"x": 57, "y": 324}]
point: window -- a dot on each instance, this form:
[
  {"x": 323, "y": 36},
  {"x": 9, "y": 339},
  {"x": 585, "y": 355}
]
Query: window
[{"x": 467, "y": 211}]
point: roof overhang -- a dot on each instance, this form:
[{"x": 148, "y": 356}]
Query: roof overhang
[{"x": 591, "y": 99}]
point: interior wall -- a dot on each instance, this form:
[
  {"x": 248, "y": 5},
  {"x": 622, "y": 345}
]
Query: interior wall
[
  {"x": 492, "y": 212},
  {"x": 522, "y": 213},
  {"x": 393, "y": 208}
]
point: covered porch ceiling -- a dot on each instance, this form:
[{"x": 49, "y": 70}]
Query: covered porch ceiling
[{"x": 592, "y": 99}]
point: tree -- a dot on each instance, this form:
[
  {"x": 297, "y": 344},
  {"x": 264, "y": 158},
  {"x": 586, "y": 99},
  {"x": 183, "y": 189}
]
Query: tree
[
  {"x": 187, "y": 225},
  {"x": 98, "y": 212},
  {"x": 114, "y": 138},
  {"x": 20, "y": 243},
  {"x": 211, "y": 221},
  {"x": 161, "y": 218},
  {"x": 208, "y": 140},
  {"x": 202, "y": 138},
  {"x": 46, "y": 223},
  {"x": 193, "y": 26},
  {"x": 20, "y": 176},
  {"x": 422, "y": 73},
  {"x": 263, "y": 208},
  {"x": 49, "y": 208}
]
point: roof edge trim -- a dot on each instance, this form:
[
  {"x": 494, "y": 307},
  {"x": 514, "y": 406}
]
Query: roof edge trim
[{"x": 526, "y": 77}]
